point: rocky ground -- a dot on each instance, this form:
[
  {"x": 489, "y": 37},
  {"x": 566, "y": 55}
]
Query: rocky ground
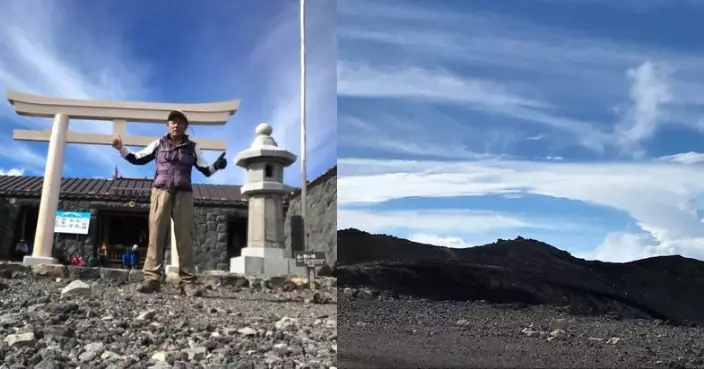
[
  {"x": 58, "y": 323},
  {"x": 397, "y": 332}
]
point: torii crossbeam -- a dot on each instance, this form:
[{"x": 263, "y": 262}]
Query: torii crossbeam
[{"x": 119, "y": 113}]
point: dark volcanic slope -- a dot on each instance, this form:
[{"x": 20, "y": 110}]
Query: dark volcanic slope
[{"x": 525, "y": 270}]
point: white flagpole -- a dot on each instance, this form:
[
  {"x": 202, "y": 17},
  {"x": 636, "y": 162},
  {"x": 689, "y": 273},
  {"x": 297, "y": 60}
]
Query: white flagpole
[{"x": 304, "y": 181}]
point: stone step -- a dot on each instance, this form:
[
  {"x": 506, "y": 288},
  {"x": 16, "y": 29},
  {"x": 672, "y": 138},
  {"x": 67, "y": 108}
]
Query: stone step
[{"x": 214, "y": 278}]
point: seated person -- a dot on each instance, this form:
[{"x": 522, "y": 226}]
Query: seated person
[
  {"x": 126, "y": 259},
  {"x": 22, "y": 249},
  {"x": 134, "y": 257},
  {"x": 103, "y": 253}
]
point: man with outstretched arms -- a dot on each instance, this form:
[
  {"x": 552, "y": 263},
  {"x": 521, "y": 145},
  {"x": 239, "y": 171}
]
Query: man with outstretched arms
[{"x": 171, "y": 198}]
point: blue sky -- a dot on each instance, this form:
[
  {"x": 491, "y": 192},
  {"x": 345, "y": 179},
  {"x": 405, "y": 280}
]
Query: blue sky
[
  {"x": 579, "y": 123},
  {"x": 182, "y": 51}
]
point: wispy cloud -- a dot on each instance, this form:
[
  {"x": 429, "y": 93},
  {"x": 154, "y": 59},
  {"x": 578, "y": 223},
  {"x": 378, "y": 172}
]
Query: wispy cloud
[
  {"x": 93, "y": 52},
  {"x": 649, "y": 91},
  {"x": 417, "y": 83},
  {"x": 546, "y": 65},
  {"x": 46, "y": 52},
  {"x": 24, "y": 156},
  {"x": 484, "y": 96},
  {"x": 685, "y": 158},
  {"x": 434, "y": 220},
  {"x": 280, "y": 51}
]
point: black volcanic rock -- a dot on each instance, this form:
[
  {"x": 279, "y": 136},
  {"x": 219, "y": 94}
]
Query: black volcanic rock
[{"x": 527, "y": 271}]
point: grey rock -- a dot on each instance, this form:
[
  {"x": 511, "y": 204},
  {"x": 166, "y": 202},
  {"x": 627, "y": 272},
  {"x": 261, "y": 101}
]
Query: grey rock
[
  {"x": 146, "y": 315},
  {"x": 87, "y": 356},
  {"x": 8, "y": 320},
  {"x": 161, "y": 365},
  {"x": 110, "y": 356},
  {"x": 76, "y": 288},
  {"x": 21, "y": 339},
  {"x": 94, "y": 346},
  {"x": 247, "y": 331},
  {"x": 196, "y": 353},
  {"x": 287, "y": 324}
]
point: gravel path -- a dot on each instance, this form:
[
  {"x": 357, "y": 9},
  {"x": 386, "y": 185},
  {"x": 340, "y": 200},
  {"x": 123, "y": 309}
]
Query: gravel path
[
  {"x": 413, "y": 333},
  {"x": 98, "y": 325}
]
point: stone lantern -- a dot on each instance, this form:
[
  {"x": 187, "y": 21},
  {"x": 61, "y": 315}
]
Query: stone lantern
[{"x": 265, "y": 254}]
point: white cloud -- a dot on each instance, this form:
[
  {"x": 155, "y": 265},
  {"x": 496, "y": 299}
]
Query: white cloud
[
  {"x": 439, "y": 220},
  {"x": 685, "y": 158},
  {"x": 433, "y": 239},
  {"x": 370, "y": 9},
  {"x": 11, "y": 172},
  {"x": 650, "y": 91},
  {"x": 434, "y": 85},
  {"x": 622, "y": 247},
  {"x": 663, "y": 198}
]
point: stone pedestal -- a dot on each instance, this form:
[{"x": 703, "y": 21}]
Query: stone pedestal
[
  {"x": 265, "y": 262},
  {"x": 265, "y": 255},
  {"x": 38, "y": 260}
]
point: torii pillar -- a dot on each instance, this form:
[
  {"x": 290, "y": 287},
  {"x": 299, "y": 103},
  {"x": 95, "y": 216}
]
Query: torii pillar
[{"x": 119, "y": 112}]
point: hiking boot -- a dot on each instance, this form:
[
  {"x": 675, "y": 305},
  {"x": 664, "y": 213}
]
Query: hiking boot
[
  {"x": 149, "y": 287},
  {"x": 192, "y": 290}
]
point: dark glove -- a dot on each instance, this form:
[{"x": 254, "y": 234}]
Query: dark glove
[{"x": 220, "y": 163}]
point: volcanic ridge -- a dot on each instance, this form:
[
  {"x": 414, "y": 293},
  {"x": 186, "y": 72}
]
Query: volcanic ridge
[{"x": 524, "y": 271}]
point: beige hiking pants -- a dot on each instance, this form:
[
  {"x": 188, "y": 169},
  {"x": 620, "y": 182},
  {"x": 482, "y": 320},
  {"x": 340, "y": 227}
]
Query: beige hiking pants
[{"x": 164, "y": 206}]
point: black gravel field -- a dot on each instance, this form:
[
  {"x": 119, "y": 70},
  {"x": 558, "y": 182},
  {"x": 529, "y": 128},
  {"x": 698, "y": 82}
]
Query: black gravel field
[
  {"x": 383, "y": 332},
  {"x": 103, "y": 325}
]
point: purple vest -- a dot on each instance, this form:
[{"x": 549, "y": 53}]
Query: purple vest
[{"x": 174, "y": 165}]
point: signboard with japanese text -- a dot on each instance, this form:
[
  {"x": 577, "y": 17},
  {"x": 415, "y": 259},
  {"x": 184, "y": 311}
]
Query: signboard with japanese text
[
  {"x": 72, "y": 222},
  {"x": 310, "y": 259}
]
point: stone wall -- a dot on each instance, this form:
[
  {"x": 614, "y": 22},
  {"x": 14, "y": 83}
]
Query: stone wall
[
  {"x": 8, "y": 215},
  {"x": 211, "y": 237},
  {"x": 321, "y": 215},
  {"x": 210, "y": 243}
]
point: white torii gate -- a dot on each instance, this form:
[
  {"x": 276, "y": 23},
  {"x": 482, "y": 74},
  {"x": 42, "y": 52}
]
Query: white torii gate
[{"x": 119, "y": 112}]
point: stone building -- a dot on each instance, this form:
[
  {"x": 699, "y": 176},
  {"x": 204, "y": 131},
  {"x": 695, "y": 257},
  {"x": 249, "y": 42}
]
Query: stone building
[
  {"x": 321, "y": 214},
  {"x": 119, "y": 213}
]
